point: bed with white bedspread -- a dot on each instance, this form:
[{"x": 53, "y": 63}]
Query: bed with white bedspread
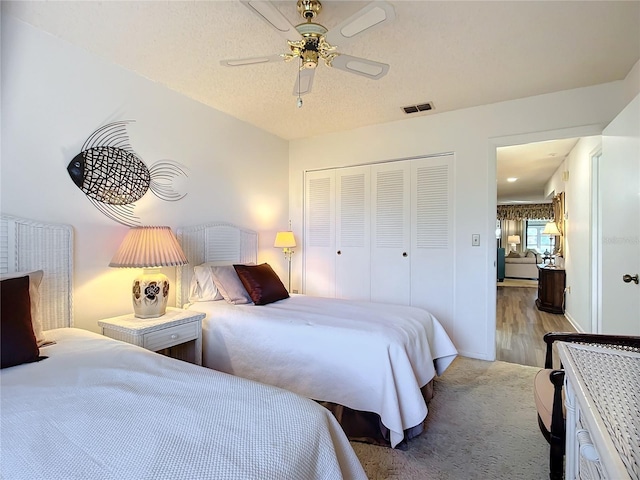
[
  {"x": 369, "y": 357},
  {"x": 103, "y": 409},
  {"x": 365, "y": 356}
]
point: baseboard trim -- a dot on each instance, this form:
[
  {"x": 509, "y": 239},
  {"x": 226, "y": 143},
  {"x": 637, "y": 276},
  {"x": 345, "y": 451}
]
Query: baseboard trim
[{"x": 573, "y": 323}]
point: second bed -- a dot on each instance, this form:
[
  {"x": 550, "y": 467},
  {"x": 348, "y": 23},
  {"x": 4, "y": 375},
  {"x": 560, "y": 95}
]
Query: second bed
[{"x": 368, "y": 357}]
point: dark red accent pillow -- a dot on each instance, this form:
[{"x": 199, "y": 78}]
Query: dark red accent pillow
[
  {"x": 17, "y": 341},
  {"x": 262, "y": 283}
]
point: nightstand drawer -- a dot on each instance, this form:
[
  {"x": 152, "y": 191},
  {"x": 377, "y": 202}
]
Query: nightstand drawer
[{"x": 171, "y": 336}]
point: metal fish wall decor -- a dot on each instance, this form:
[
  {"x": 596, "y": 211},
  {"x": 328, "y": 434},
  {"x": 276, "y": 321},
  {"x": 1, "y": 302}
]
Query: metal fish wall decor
[{"x": 112, "y": 176}]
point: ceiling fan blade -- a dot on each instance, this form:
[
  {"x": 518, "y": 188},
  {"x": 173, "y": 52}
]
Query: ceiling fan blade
[
  {"x": 360, "y": 66},
  {"x": 239, "y": 62},
  {"x": 304, "y": 82},
  {"x": 270, "y": 14},
  {"x": 374, "y": 15}
]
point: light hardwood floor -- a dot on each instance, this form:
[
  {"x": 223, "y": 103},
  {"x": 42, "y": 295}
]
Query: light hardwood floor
[{"x": 520, "y": 326}]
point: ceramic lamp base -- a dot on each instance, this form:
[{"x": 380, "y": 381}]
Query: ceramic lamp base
[{"x": 150, "y": 295}]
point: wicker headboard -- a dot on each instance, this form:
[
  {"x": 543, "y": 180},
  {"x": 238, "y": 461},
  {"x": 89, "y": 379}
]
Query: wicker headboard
[
  {"x": 28, "y": 245},
  {"x": 212, "y": 242}
]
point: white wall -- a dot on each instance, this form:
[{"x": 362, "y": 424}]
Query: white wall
[
  {"x": 472, "y": 134},
  {"x": 55, "y": 95},
  {"x": 577, "y": 255}
]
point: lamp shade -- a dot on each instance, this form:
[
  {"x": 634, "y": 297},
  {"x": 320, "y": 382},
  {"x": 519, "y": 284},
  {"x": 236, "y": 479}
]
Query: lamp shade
[
  {"x": 285, "y": 240},
  {"x": 146, "y": 247},
  {"x": 513, "y": 239},
  {"x": 551, "y": 229}
]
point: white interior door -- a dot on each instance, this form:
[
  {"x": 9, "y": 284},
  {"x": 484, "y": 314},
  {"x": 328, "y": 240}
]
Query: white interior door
[
  {"x": 620, "y": 223},
  {"x": 432, "y": 262},
  {"x": 391, "y": 232},
  {"x": 353, "y": 223},
  {"x": 319, "y": 234}
]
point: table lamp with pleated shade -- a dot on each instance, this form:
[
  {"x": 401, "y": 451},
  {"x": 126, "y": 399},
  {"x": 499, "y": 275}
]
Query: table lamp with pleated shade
[
  {"x": 551, "y": 229},
  {"x": 149, "y": 247}
]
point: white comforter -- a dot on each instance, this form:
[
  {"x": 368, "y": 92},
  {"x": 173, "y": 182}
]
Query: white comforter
[
  {"x": 102, "y": 409},
  {"x": 367, "y": 356}
]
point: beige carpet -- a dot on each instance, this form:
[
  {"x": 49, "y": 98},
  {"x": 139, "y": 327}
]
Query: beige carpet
[
  {"x": 517, "y": 282},
  {"x": 481, "y": 425}
]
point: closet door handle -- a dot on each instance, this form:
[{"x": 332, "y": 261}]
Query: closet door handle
[
  {"x": 339, "y": 252},
  {"x": 404, "y": 254}
]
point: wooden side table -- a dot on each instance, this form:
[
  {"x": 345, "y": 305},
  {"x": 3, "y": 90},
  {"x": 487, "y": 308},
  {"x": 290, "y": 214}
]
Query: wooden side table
[
  {"x": 178, "y": 333},
  {"x": 551, "y": 284}
]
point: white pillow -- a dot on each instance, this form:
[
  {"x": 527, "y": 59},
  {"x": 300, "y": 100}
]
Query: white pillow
[
  {"x": 229, "y": 285},
  {"x": 35, "y": 279},
  {"x": 203, "y": 289}
]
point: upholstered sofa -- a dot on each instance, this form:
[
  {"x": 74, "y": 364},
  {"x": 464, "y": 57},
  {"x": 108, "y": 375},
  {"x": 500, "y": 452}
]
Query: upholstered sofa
[{"x": 522, "y": 264}]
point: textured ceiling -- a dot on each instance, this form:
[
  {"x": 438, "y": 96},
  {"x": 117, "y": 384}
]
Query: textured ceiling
[{"x": 454, "y": 54}]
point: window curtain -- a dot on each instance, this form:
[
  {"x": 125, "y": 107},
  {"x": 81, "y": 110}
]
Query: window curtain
[
  {"x": 513, "y": 220},
  {"x": 529, "y": 211}
]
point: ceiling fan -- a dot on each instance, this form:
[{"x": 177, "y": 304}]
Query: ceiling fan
[{"x": 310, "y": 41}]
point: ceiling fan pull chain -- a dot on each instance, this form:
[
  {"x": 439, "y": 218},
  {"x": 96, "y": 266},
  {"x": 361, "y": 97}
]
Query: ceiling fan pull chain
[{"x": 299, "y": 103}]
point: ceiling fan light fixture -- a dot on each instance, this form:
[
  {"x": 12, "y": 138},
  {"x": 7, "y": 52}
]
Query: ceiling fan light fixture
[
  {"x": 309, "y": 59},
  {"x": 309, "y": 41}
]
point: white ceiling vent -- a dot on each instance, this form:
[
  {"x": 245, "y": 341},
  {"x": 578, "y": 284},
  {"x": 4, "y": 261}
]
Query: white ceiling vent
[{"x": 423, "y": 107}]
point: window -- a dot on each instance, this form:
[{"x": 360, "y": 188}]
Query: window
[{"x": 535, "y": 239}]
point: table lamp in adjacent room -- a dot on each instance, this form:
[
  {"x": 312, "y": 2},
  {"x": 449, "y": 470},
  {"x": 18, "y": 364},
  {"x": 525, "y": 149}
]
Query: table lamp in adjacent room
[
  {"x": 513, "y": 240},
  {"x": 551, "y": 229},
  {"x": 149, "y": 247},
  {"x": 286, "y": 241}
]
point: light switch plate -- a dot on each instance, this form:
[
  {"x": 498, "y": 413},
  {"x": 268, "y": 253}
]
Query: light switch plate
[{"x": 475, "y": 240}]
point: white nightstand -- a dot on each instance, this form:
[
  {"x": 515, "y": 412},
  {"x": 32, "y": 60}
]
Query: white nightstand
[{"x": 179, "y": 330}]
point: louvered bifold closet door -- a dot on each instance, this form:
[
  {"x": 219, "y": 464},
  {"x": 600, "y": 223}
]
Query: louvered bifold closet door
[
  {"x": 353, "y": 224},
  {"x": 432, "y": 263},
  {"x": 390, "y": 232},
  {"x": 319, "y": 238}
]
